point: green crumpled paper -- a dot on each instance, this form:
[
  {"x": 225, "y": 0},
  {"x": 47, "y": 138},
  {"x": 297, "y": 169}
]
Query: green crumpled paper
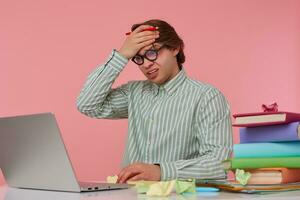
[
  {"x": 185, "y": 186},
  {"x": 241, "y": 176}
]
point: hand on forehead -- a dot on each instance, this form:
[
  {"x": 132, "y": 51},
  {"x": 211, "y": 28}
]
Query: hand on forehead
[{"x": 141, "y": 30}]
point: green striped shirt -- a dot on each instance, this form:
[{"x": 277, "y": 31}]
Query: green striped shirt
[{"x": 184, "y": 125}]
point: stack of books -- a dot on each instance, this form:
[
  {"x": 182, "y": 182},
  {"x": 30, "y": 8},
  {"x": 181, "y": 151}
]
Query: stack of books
[
  {"x": 269, "y": 147},
  {"x": 269, "y": 150}
]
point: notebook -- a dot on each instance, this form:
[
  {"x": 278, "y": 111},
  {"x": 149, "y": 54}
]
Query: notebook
[{"x": 33, "y": 155}]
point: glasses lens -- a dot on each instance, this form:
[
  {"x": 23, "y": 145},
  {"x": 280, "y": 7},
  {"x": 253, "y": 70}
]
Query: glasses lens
[
  {"x": 151, "y": 55},
  {"x": 138, "y": 60}
]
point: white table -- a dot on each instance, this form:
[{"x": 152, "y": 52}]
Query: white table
[{"x": 7, "y": 193}]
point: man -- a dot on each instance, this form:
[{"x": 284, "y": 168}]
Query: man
[{"x": 178, "y": 127}]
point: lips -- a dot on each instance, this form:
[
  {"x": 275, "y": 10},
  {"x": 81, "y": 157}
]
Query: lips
[{"x": 152, "y": 73}]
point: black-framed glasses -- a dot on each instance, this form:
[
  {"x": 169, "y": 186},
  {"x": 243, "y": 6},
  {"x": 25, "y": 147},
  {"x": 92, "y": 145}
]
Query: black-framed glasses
[{"x": 150, "y": 55}]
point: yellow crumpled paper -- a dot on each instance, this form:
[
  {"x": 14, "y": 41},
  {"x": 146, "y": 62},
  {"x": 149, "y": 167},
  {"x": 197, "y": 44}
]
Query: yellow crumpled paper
[
  {"x": 142, "y": 186},
  {"x": 241, "y": 176},
  {"x": 112, "y": 179},
  {"x": 160, "y": 188}
]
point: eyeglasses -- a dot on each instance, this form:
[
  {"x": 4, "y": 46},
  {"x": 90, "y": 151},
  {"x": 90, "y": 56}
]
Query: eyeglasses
[{"x": 150, "y": 55}]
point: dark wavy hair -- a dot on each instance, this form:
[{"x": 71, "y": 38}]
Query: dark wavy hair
[{"x": 167, "y": 37}]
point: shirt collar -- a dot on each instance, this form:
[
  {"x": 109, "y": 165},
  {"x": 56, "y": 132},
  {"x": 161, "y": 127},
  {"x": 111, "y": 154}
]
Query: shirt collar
[{"x": 172, "y": 85}]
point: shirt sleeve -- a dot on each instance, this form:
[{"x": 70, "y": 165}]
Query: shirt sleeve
[
  {"x": 214, "y": 133},
  {"x": 97, "y": 99}
]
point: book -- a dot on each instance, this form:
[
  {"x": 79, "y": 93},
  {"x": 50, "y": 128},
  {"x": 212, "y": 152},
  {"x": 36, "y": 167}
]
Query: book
[
  {"x": 234, "y": 186},
  {"x": 265, "y": 118},
  {"x": 255, "y": 163},
  {"x": 267, "y": 149},
  {"x": 274, "y": 176},
  {"x": 282, "y": 132}
]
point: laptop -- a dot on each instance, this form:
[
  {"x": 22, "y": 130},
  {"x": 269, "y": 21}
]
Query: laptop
[{"x": 33, "y": 156}]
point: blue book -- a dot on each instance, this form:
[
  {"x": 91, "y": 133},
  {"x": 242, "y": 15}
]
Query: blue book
[
  {"x": 273, "y": 133},
  {"x": 267, "y": 150}
]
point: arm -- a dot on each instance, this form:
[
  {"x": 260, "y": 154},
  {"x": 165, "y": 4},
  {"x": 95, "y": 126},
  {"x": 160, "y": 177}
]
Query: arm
[
  {"x": 97, "y": 99},
  {"x": 214, "y": 133}
]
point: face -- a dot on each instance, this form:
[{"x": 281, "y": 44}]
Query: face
[{"x": 164, "y": 68}]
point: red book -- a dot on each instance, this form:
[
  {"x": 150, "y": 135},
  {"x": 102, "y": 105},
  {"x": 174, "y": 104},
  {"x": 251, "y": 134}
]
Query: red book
[
  {"x": 265, "y": 118},
  {"x": 274, "y": 176}
]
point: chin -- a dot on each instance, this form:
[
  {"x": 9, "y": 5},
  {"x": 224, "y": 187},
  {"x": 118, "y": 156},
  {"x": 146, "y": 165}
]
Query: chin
[{"x": 158, "y": 82}]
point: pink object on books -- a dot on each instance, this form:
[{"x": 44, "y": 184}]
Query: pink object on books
[{"x": 270, "y": 108}]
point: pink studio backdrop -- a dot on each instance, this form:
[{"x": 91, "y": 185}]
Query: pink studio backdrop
[{"x": 248, "y": 49}]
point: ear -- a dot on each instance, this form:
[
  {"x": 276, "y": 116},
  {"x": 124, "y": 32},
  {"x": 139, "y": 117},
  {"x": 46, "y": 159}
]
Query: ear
[{"x": 176, "y": 51}]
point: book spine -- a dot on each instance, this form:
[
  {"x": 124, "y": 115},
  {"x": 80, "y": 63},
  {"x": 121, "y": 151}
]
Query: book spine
[
  {"x": 290, "y": 175},
  {"x": 274, "y": 133},
  {"x": 255, "y": 163},
  {"x": 260, "y": 150},
  {"x": 292, "y": 117}
]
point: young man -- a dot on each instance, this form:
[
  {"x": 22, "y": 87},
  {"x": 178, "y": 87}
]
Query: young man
[{"x": 178, "y": 127}]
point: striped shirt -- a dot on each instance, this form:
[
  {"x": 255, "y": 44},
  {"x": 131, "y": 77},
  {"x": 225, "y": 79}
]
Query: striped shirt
[{"x": 184, "y": 125}]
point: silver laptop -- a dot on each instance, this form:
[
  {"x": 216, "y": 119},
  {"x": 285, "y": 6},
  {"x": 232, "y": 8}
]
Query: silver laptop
[{"x": 33, "y": 155}]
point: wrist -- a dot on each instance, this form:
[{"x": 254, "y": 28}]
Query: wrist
[
  {"x": 168, "y": 171},
  {"x": 158, "y": 172},
  {"x": 124, "y": 54}
]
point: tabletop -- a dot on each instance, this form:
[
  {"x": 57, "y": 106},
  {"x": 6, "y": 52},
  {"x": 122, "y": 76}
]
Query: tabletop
[{"x": 8, "y": 193}]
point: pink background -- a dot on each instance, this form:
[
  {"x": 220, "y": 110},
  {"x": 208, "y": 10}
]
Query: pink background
[{"x": 248, "y": 49}]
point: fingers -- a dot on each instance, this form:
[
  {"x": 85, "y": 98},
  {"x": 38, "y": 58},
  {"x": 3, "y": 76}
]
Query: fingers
[
  {"x": 145, "y": 43},
  {"x": 145, "y": 38},
  {"x": 146, "y": 33},
  {"x": 138, "y": 177},
  {"x": 138, "y": 39},
  {"x": 127, "y": 174},
  {"x": 142, "y": 28},
  {"x": 139, "y": 171},
  {"x": 121, "y": 174}
]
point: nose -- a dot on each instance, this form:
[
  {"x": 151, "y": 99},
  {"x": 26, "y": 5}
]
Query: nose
[{"x": 147, "y": 64}]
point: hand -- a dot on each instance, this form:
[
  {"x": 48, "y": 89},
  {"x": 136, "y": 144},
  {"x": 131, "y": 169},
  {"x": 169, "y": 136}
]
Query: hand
[
  {"x": 137, "y": 40},
  {"x": 139, "y": 171}
]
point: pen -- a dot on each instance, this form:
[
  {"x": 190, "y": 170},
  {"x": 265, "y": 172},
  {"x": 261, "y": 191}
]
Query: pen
[
  {"x": 147, "y": 29},
  {"x": 207, "y": 189}
]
